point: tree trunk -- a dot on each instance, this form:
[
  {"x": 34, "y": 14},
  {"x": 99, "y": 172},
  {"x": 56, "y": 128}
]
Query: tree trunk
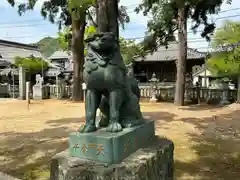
[
  {"x": 107, "y": 16},
  {"x": 238, "y": 90},
  {"x": 78, "y": 28},
  {"x": 181, "y": 61}
]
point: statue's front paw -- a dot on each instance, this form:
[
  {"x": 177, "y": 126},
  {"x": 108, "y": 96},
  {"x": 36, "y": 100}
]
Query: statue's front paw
[
  {"x": 87, "y": 128},
  {"x": 132, "y": 123},
  {"x": 114, "y": 127}
]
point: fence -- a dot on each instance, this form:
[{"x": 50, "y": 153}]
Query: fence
[
  {"x": 9, "y": 91},
  {"x": 194, "y": 94},
  {"x": 163, "y": 93}
]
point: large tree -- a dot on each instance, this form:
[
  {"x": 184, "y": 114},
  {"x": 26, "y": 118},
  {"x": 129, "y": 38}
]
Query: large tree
[
  {"x": 107, "y": 16},
  {"x": 226, "y": 61},
  {"x": 169, "y": 16},
  {"x": 74, "y": 13},
  {"x": 78, "y": 10},
  {"x": 58, "y": 12}
]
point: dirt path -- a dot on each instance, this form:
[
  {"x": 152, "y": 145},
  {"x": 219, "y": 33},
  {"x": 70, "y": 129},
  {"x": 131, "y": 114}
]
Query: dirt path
[{"x": 207, "y": 139}]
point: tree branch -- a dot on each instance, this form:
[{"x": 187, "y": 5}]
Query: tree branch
[{"x": 91, "y": 18}]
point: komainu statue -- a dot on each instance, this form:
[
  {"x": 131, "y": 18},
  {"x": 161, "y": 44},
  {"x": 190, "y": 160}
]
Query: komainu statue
[{"x": 109, "y": 87}]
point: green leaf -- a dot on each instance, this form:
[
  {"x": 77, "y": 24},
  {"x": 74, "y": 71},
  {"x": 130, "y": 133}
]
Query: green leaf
[
  {"x": 32, "y": 64},
  {"x": 226, "y": 63},
  {"x": 164, "y": 18},
  {"x": 65, "y": 36}
]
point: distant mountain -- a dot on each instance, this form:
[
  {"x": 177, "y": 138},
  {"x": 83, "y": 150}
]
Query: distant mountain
[{"x": 48, "y": 46}]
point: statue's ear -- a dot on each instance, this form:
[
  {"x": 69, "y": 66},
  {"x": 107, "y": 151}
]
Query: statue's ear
[{"x": 90, "y": 38}]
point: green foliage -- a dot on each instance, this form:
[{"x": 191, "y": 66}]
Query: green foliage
[
  {"x": 57, "y": 11},
  {"x": 226, "y": 63},
  {"x": 73, "y": 4},
  {"x": 32, "y": 64},
  {"x": 129, "y": 49},
  {"x": 76, "y": 7},
  {"x": 123, "y": 17},
  {"x": 48, "y": 46},
  {"x": 164, "y": 20},
  {"x": 64, "y": 37},
  {"x": 229, "y": 33}
]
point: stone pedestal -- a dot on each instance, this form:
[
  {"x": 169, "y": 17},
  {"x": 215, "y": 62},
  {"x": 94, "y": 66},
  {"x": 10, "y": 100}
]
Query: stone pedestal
[
  {"x": 153, "y": 163},
  {"x": 38, "y": 93},
  {"x": 154, "y": 97},
  {"x": 110, "y": 148}
]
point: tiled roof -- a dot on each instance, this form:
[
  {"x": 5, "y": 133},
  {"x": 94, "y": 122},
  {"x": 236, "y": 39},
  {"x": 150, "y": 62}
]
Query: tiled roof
[
  {"x": 53, "y": 71},
  {"x": 170, "y": 54},
  {"x": 59, "y": 55},
  {"x": 9, "y": 50},
  {"x": 17, "y": 44}
]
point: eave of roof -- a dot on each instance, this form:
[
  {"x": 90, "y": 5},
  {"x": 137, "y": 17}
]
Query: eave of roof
[
  {"x": 57, "y": 55},
  {"x": 170, "y": 54},
  {"x": 18, "y": 45}
]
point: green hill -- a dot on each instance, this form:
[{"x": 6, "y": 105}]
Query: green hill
[{"x": 48, "y": 46}]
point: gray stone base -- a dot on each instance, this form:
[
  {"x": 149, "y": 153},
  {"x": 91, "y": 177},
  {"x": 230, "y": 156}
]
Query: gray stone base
[
  {"x": 154, "y": 162},
  {"x": 37, "y": 92}
]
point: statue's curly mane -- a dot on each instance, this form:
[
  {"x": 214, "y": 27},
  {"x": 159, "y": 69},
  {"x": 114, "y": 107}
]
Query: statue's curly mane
[{"x": 102, "y": 57}]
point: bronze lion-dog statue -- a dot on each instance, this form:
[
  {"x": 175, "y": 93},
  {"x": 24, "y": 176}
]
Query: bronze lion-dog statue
[{"x": 109, "y": 87}]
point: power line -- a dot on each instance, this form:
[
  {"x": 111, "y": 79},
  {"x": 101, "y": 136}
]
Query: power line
[
  {"x": 132, "y": 5},
  {"x": 40, "y": 19},
  {"x": 132, "y": 38},
  {"x": 136, "y": 38},
  {"x": 40, "y": 24}
]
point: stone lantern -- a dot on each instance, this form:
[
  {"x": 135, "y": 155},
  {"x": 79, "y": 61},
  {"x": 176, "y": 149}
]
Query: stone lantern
[
  {"x": 225, "y": 89},
  {"x": 154, "y": 85}
]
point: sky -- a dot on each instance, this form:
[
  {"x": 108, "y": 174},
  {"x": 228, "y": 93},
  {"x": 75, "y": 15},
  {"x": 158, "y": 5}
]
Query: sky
[{"x": 31, "y": 27}]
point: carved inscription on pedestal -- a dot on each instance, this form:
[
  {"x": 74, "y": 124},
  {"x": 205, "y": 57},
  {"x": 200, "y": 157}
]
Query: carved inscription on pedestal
[{"x": 84, "y": 148}]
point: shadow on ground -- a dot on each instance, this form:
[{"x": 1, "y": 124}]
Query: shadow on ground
[
  {"x": 208, "y": 149},
  {"x": 210, "y": 153},
  {"x": 201, "y": 107},
  {"x": 25, "y": 152}
]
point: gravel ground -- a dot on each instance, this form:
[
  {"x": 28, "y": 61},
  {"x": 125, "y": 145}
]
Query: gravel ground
[{"x": 206, "y": 138}]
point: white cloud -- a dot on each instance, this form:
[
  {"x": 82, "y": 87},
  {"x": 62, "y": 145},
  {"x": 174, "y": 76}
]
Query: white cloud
[{"x": 135, "y": 18}]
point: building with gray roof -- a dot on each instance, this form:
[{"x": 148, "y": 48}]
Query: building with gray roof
[
  {"x": 163, "y": 63},
  {"x": 9, "y": 50},
  {"x": 62, "y": 63}
]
